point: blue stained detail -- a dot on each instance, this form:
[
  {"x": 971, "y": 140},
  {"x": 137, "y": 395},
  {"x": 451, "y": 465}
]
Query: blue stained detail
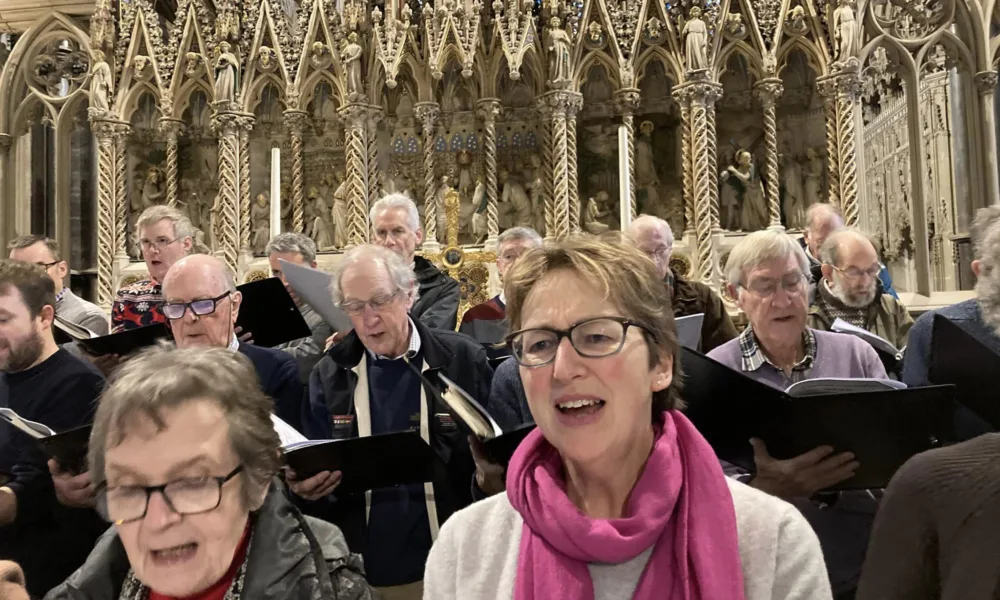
[
  {"x": 398, "y": 146},
  {"x": 502, "y": 140},
  {"x": 440, "y": 145},
  {"x": 515, "y": 140},
  {"x": 472, "y": 142},
  {"x": 412, "y": 147},
  {"x": 529, "y": 139},
  {"x": 456, "y": 142}
]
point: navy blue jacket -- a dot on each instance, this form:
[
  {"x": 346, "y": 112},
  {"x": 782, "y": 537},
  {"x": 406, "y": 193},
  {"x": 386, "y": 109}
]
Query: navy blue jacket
[{"x": 279, "y": 378}]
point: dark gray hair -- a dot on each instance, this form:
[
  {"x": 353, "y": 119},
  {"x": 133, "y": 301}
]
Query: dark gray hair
[
  {"x": 829, "y": 252},
  {"x": 980, "y": 228},
  {"x": 400, "y": 274},
  {"x": 292, "y": 242},
  {"x": 516, "y": 234},
  {"x": 759, "y": 247},
  {"x": 26, "y": 241},
  {"x": 162, "y": 378},
  {"x": 396, "y": 201}
]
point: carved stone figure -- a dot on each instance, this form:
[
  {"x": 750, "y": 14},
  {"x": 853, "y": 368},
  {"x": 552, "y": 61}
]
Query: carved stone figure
[
  {"x": 813, "y": 177},
  {"x": 593, "y": 215},
  {"x": 225, "y": 75},
  {"x": 192, "y": 63},
  {"x": 537, "y": 201},
  {"x": 793, "y": 202},
  {"x": 318, "y": 54},
  {"x": 267, "y": 59},
  {"x": 321, "y": 227},
  {"x": 845, "y": 28},
  {"x": 260, "y": 217},
  {"x": 341, "y": 212},
  {"x": 560, "y": 67},
  {"x": 517, "y": 200},
  {"x": 101, "y": 85},
  {"x": 743, "y": 195},
  {"x": 645, "y": 166},
  {"x": 352, "y": 65},
  {"x": 735, "y": 27},
  {"x": 439, "y": 204},
  {"x": 797, "y": 20},
  {"x": 696, "y": 41},
  {"x": 465, "y": 182},
  {"x": 140, "y": 67},
  {"x": 479, "y": 201}
]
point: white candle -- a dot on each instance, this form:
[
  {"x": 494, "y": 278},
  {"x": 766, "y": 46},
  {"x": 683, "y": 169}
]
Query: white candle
[
  {"x": 275, "y": 191},
  {"x": 624, "y": 189}
]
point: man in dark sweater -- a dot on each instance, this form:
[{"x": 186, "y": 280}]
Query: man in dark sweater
[
  {"x": 42, "y": 383},
  {"x": 396, "y": 224},
  {"x": 363, "y": 387}
]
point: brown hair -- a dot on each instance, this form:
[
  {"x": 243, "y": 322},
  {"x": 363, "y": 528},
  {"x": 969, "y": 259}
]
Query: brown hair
[
  {"x": 26, "y": 241},
  {"x": 163, "y": 377},
  {"x": 30, "y": 280},
  {"x": 625, "y": 276}
]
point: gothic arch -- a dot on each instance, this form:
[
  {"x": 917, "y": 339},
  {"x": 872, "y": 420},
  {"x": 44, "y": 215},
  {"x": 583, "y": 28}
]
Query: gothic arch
[
  {"x": 814, "y": 55},
  {"x": 183, "y": 99},
  {"x": 308, "y": 87},
  {"x": 741, "y": 48},
  {"x": 130, "y": 103},
  {"x": 256, "y": 88},
  {"x": 671, "y": 66},
  {"x": 596, "y": 58}
]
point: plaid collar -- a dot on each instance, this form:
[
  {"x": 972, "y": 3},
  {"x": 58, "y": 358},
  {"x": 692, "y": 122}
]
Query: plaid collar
[
  {"x": 61, "y": 294},
  {"x": 753, "y": 357},
  {"x": 670, "y": 281},
  {"x": 412, "y": 351}
]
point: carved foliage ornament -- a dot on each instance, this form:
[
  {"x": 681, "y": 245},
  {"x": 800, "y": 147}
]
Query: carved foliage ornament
[
  {"x": 390, "y": 40},
  {"x": 912, "y": 20},
  {"x": 450, "y": 24},
  {"x": 624, "y": 19},
  {"x": 514, "y": 25}
]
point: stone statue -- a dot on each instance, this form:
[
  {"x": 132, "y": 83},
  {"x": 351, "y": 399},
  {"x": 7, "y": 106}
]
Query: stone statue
[
  {"x": 538, "y": 201},
  {"x": 813, "y": 177},
  {"x": 153, "y": 188},
  {"x": 594, "y": 213},
  {"x": 351, "y": 56},
  {"x": 321, "y": 227},
  {"x": 439, "y": 205},
  {"x": 215, "y": 220},
  {"x": 845, "y": 28},
  {"x": 465, "y": 182},
  {"x": 793, "y": 202},
  {"x": 341, "y": 211},
  {"x": 517, "y": 199},
  {"x": 479, "y": 201},
  {"x": 101, "y": 85},
  {"x": 225, "y": 75},
  {"x": 560, "y": 67},
  {"x": 260, "y": 217},
  {"x": 696, "y": 41},
  {"x": 797, "y": 20},
  {"x": 744, "y": 188},
  {"x": 645, "y": 166}
]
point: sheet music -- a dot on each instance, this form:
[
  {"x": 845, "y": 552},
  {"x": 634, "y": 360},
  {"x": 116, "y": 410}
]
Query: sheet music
[
  {"x": 313, "y": 286},
  {"x": 689, "y": 330},
  {"x": 286, "y": 433},
  {"x": 877, "y": 342},
  {"x": 836, "y": 385}
]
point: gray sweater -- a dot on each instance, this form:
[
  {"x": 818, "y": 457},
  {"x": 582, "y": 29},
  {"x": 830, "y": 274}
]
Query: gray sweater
[
  {"x": 78, "y": 311},
  {"x": 475, "y": 555}
]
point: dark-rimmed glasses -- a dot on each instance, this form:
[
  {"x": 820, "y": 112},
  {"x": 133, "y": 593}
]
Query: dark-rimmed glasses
[
  {"x": 593, "y": 338},
  {"x": 377, "y": 303},
  {"x": 48, "y": 265},
  {"x": 200, "y": 308},
  {"x": 129, "y": 503}
]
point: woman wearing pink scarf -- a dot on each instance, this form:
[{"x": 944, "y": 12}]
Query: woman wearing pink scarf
[{"x": 615, "y": 495}]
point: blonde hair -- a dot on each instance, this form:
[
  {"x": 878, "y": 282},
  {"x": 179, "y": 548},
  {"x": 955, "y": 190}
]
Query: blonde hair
[
  {"x": 759, "y": 247},
  {"x": 624, "y": 275},
  {"x": 163, "y": 377}
]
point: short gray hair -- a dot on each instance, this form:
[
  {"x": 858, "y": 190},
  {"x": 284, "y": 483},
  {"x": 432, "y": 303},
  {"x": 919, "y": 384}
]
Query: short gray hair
[
  {"x": 642, "y": 220},
  {"x": 292, "y": 242},
  {"x": 829, "y": 252},
  {"x": 154, "y": 214},
  {"x": 396, "y": 201},
  {"x": 821, "y": 210},
  {"x": 400, "y": 274},
  {"x": 162, "y": 378},
  {"x": 762, "y": 246},
  {"x": 980, "y": 228},
  {"x": 516, "y": 234}
]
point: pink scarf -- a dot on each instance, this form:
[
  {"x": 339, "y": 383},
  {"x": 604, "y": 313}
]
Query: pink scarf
[{"x": 680, "y": 505}]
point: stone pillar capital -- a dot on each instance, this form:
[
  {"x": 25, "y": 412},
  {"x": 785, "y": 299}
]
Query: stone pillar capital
[{"x": 986, "y": 82}]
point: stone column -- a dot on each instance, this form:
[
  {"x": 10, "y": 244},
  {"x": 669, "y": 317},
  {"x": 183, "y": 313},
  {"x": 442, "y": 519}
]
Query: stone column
[
  {"x": 428, "y": 114},
  {"x": 170, "y": 129},
  {"x": 768, "y": 91},
  {"x": 355, "y": 117},
  {"x": 104, "y": 131},
  {"x": 489, "y": 110},
  {"x": 687, "y": 181},
  {"x": 226, "y": 126},
  {"x": 827, "y": 88},
  {"x": 246, "y": 123},
  {"x": 702, "y": 96},
  {"x": 628, "y": 103},
  {"x": 122, "y": 131},
  {"x": 548, "y": 165},
  {"x": 848, "y": 89},
  {"x": 562, "y": 104},
  {"x": 986, "y": 84},
  {"x": 371, "y": 142},
  {"x": 295, "y": 124},
  {"x": 573, "y": 178}
]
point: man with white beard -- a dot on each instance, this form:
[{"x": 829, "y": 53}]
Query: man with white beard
[{"x": 850, "y": 290}]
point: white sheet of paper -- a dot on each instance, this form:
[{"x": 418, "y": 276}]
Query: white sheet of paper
[
  {"x": 689, "y": 330},
  {"x": 286, "y": 433},
  {"x": 879, "y": 343},
  {"x": 833, "y": 385},
  {"x": 35, "y": 430},
  {"x": 313, "y": 286}
]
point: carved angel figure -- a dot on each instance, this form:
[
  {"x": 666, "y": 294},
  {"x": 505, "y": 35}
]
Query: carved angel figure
[
  {"x": 560, "y": 68},
  {"x": 696, "y": 41},
  {"x": 225, "y": 74},
  {"x": 743, "y": 187},
  {"x": 846, "y": 31},
  {"x": 101, "y": 85},
  {"x": 352, "y": 65}
]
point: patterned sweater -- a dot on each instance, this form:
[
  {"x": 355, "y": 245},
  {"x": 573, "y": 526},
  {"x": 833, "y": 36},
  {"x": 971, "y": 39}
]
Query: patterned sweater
[{"x": 137, "y": 305}]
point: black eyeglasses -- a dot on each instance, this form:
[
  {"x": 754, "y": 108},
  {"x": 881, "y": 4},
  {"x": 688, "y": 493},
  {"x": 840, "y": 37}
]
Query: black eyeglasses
[
  {"x": 129, "y": 503},
  {"x": 377, "y": 303},
  {"x": 593, "y": 338},
  {"x": 48, "y": 264},
  {"x": 200, "y": 308}
]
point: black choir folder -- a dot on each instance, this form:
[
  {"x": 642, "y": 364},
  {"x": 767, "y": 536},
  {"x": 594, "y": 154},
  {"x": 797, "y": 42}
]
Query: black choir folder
[
  {"x": 960, "y": 359},
  {"x": 122, "y": 343},
  {"x": 269, "y": 313},
  {"x": 68, "y": 447},
  {"x": 882, "y": 427}
]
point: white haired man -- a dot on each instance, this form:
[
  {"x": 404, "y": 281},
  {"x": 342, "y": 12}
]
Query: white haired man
[
  {"x": 299, "y": 249},
  {"x": 364, "y": 386},
  {"x": 851, "y": 290},
  {"x": 396, "y": 224},
  {"x": 486, "y": 323},
  {"x": 768, "y": 274},
  {"x": 654, "y": 237}
]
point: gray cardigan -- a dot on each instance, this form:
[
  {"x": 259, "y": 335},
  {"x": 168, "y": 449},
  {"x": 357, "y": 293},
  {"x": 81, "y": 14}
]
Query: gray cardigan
[
  {"x": 78, "y": 311},
  {"x": 475, "y": 555}
]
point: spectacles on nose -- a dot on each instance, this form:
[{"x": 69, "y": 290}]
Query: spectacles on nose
[
  {"x": 129, "y": 503},
  {"x": 158, "y": 243},
  {"x": 856, "y": 273},
  {"x": 378, "y": 303},
  {"x": 199, "y": 308},
  {"x": 593, "y": 338},
  {"x": 765, "y": 287},
  {"x": 48, "y": 265}
]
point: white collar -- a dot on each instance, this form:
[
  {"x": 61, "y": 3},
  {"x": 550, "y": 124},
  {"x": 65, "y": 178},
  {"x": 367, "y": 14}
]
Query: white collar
[
  {"x": 503, "y": 297},
  {"x": 234, "y": 344}
]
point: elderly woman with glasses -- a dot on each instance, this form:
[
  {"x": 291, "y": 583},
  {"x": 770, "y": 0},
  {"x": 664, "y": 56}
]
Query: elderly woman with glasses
[
  {"x": 768, "y": 274},
  {"x": 615, "y": 494},
  {"x": 183, "y": 452}
]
